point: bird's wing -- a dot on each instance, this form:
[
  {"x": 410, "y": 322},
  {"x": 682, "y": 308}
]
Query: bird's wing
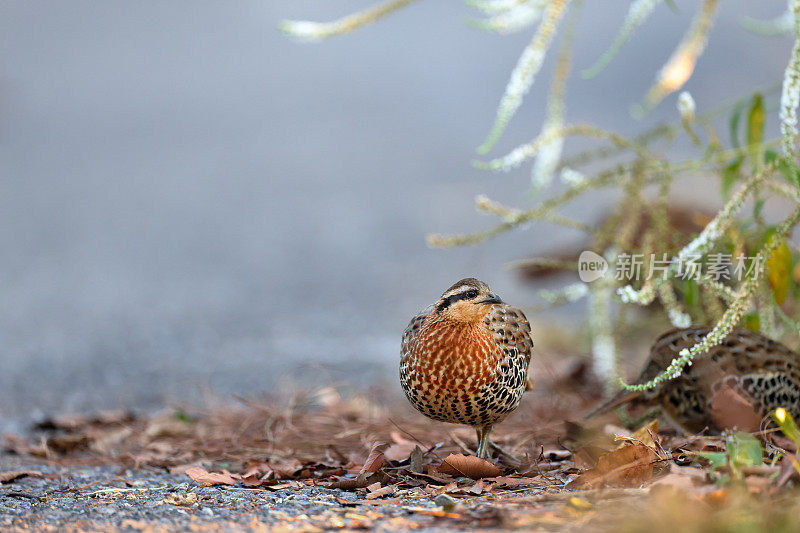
[
  {"x": 662, "y": 352},
  {"x": 412, "y": 330},
  {"x": 510, "y": 328}
]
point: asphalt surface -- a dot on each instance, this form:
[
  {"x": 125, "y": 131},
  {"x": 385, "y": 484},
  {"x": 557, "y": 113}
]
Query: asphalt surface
[{"x": 107, "y": 498}]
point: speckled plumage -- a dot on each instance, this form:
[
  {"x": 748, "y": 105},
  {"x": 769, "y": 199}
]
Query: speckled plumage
[
  {"x": 465, "y": 361},
  {"x": 763, "y": 372}
]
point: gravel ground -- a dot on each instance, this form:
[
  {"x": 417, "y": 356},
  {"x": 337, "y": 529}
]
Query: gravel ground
[{"x": 108, "y": 498}]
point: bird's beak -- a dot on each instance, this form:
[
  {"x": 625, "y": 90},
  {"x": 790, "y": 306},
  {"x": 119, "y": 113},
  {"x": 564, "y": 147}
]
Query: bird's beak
[{"x": 492, "y": 299}]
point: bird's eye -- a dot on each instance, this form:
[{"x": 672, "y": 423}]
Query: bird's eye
[{"x": 471, "y": 294}]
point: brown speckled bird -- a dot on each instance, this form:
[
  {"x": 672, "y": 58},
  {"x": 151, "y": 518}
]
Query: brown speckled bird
[
  {"x": 465, "y": 359},
  {"x": 755, "y": 369}
]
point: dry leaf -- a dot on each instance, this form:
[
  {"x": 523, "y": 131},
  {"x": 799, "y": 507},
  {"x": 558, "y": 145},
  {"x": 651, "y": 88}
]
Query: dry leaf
[
  {"x": 643, "y": 435},
  {"x": 380, "y": 493},
  {"x": 376, "y": 458},
  {"x": 460, "y": 465},
  {"x": 13, "y": 475},
  {"x": 64, "y": 444},
  {"x": 399, "y": 451},
  {"x": 203, "y": 476},
  {"x": 352, "y": 483},
  {"x": 627, "y": 466},
  {"x": 416, "y": 460},
  {"x": 730, "y": 409},
  {"x": 181, "y": 499},
  {"x": 477, "y": 488},
  {"x": 511, "y": 482}
]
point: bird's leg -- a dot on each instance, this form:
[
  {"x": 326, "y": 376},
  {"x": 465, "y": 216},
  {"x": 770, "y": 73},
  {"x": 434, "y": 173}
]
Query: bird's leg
[{"x": 483, "y": 441}]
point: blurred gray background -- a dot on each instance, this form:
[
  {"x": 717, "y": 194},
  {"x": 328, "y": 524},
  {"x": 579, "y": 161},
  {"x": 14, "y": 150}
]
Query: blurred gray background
[{"x": 190, "y": 200}]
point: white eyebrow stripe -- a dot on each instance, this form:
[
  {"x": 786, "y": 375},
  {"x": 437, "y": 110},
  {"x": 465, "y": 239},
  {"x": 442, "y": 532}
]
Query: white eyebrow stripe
[{"x": 460, "y": 290}]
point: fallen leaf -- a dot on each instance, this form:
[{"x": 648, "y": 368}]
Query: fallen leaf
[
  {"x": 376, "y": 458},
  {"x": 203, "y": 476},
  {"x": 643, "y": 435},
  {"x": 181, "y": 499},
  {"x": 587, "y": 456},
  {"x": 361, "y": 481},
  {"x": 580, "y": 504},
  {"x": 729, "y": 409},
  {"x": 512, "y": 482},
  {"x": 627, "y": 466},
  {"x": 13, "y": 475},
  {"x": 415, "y": 460},
  {"x": 284, "y": 469},
  {"x": 460, "y": 465},
  {"x": 476, "y": 489},
  {"x": 379, "y": 493},
  {"x": 399, "y": 451},
  {"x": 64, "y": 444}
]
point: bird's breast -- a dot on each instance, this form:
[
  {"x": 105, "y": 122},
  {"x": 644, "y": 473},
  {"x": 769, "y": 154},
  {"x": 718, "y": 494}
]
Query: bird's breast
[{"x": 455, "y": 356}]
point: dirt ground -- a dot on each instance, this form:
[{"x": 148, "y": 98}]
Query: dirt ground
[{"x": 323, "y": 460}]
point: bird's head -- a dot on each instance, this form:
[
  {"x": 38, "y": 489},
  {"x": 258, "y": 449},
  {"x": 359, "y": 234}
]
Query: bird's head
[{"x": 467, "y": 301}]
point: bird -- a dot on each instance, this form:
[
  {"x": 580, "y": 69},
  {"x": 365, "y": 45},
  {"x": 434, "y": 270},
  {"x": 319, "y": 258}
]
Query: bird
[
  {"x": 738, "y": 382},
  {"x": 464, "y": 359}
]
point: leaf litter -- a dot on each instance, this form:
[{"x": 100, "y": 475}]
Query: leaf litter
[{"x": 555, "y": 475}]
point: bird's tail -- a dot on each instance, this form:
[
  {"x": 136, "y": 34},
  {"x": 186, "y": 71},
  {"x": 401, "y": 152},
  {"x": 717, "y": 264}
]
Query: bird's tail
[{"x": 622, "y": 397}]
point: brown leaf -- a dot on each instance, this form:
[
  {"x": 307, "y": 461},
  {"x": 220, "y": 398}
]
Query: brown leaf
[
  {"x": 627, "y": 466},
  {"x": 643, "y": 435},
  {"x": 587, "y": 456},
  {"x": 181, "y": 499},
  {"x": 511, "y": 482},
  {"x": 415, "y": 459},
  {"x": 64, "y": 444},
  {"x": 379, "y": 493},
  {"x": 285, "y": 469},
  {"x": 203, "y": 476},
  {"x": 730, "y": 409},
  {"x": 399, "y": 451},
  {"x": 376, "y": 458},
  {"x": 460, "y": 465},
  {"x": 13, "y": 475},
  {"x": 476, "y": 489},
  {"x": 352, "y": 483}
]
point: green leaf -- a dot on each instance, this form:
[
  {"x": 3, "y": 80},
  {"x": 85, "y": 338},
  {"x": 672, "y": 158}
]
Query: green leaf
[
  {"x": 731, "y": 174},
  {"x": 758, "y": 206},
  {"x": 787, "y": 424},
  {"x": 736, "y": 116},
  {"x": 752, "y": 322},
  {"x": 785, "y": 166},
  {"x": 755, "y": 128},
  {"x": 717, "y": 459},
  {"x": 692, "y": 293},
  {"x": 672, "y": 5},
  {"x": 744, "y": 450},
  {"x": 779, "y": 268}
]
